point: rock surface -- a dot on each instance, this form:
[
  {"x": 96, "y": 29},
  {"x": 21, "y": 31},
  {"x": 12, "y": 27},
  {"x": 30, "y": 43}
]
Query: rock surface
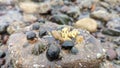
[{"x": 89, "y": 54}]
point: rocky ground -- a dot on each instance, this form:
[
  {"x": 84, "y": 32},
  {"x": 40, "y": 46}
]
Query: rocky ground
[{"x": 97, "y": 19}]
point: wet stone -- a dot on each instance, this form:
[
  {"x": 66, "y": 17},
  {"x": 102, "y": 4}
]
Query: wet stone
[
  {"x": 61, "y": 19},
  {"x": 111, "y": 32}
]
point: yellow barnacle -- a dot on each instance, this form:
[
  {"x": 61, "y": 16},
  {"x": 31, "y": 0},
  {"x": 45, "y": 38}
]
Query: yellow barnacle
[
  {"x": 65, "y": 29},
  {"x": 79, "y": 39},
  {"x": 63, "y": 35},
  {"x": 66, "y": 38}
]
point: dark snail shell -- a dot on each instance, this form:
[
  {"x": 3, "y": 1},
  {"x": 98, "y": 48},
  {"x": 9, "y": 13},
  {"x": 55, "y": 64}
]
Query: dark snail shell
[
  {"x": 53, "y": 52},
  {"x": 68, "y": 44},
  {"x": 36, "y": 26},
  {"x": 30, "y": 35}
]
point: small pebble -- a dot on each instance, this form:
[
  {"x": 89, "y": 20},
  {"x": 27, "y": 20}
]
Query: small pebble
[
  {"x": 36, "y": 26},
  {"x": 74, "y": 50},
  {"x": 2, "y": 62},
  {"x": 111, "y": 54},
  {"x": 2, "y": 54}
]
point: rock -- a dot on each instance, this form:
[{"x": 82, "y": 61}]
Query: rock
[
  {"x": 11, "y": 16},
  {"x": 74, "y": 50},
  {"x": 15, "y": 27},
  {"x": 2, "y": 54},
  {"x": 111, "y": 54},
  {"x": 42, "y": 33},
  {"x": 38, "y": 48},
  {"x": 3, "y": 27},
  {"x": 73, "y": 11},
  {"x": 107, "y": 64},
  {"x": 116, "y": 40},
  {"x": 61, "y": 19},
  {"x": 28, "y": 7},
  {"x": 86, "y": 3},
  {"x": 57, "y": 2},
  {"x": 44, "y": 7},
  {"x": 115, "y": 22},
  {"x": 90, "y": 53},
  {"x": 36, "y": 26},
  {"x": 5, "y": 39},
  {"x": 101, "y": 15},
  {"x": 118, "y": 53},
  {"x": 105, "y": 5},
  {"x": 111, "y": 32},
  {"x": 86, "y": 23},
  {"x": 113, "y": 3},
  {"x": 6, "y": 1},
  {"x": 2, "y": 62},
  {"x": 29, "y": 18}
]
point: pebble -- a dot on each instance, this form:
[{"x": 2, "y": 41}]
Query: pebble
[
  {"x": 2, "y": 62},
  {"x": 2, "y": 54},
  {"x": 3, "y": 27},
  {"x": 15, "y": 27},
  {"x": 111, "y": 32},
  {"x": 74, "y": 50},
  {"x": 101, "y": 15},
  {"x": 111, "y": 54},
  {"x": 29, "y": 18},
  {"x": 44, "y": 8},
  {"x": 73, "y": 11},
  {"x": 118, "y": 53},
  {"x": 42, "y": 33},
  {"x": 5, "y": 39},
  {"x": 61, "y": 19},
  {"x": 36, "y": 26},
  {"x": 28, "y": 7},
  {"x": 86, "y": 23}
]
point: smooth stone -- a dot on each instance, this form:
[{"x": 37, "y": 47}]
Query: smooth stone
[
  {"x": 28, "y": 7},
  {"x": 101, "y": 15},
  {"x": 86, "y": 23}
]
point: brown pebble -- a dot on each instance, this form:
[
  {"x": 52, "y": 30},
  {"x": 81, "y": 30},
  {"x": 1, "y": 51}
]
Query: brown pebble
[
  {"x": 2, "y": 62},
  {"x": 111, "y": 54},
  {"x": 5, "y": 39}
]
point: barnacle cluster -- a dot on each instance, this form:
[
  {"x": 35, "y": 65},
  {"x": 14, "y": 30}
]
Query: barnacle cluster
[{"x": 67, "y": 33}]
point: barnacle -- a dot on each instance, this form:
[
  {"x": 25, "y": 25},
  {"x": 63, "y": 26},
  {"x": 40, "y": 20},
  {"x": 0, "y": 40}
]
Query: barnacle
[
  {"x": 67, "y": 34},
  {"x": 79, "y": 39},
  {"x": 66, "y": 29},
  {"x": 73, "y": 33}
]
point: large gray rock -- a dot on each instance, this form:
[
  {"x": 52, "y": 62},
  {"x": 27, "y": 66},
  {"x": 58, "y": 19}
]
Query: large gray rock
[{"x": 89, "y": 55}]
